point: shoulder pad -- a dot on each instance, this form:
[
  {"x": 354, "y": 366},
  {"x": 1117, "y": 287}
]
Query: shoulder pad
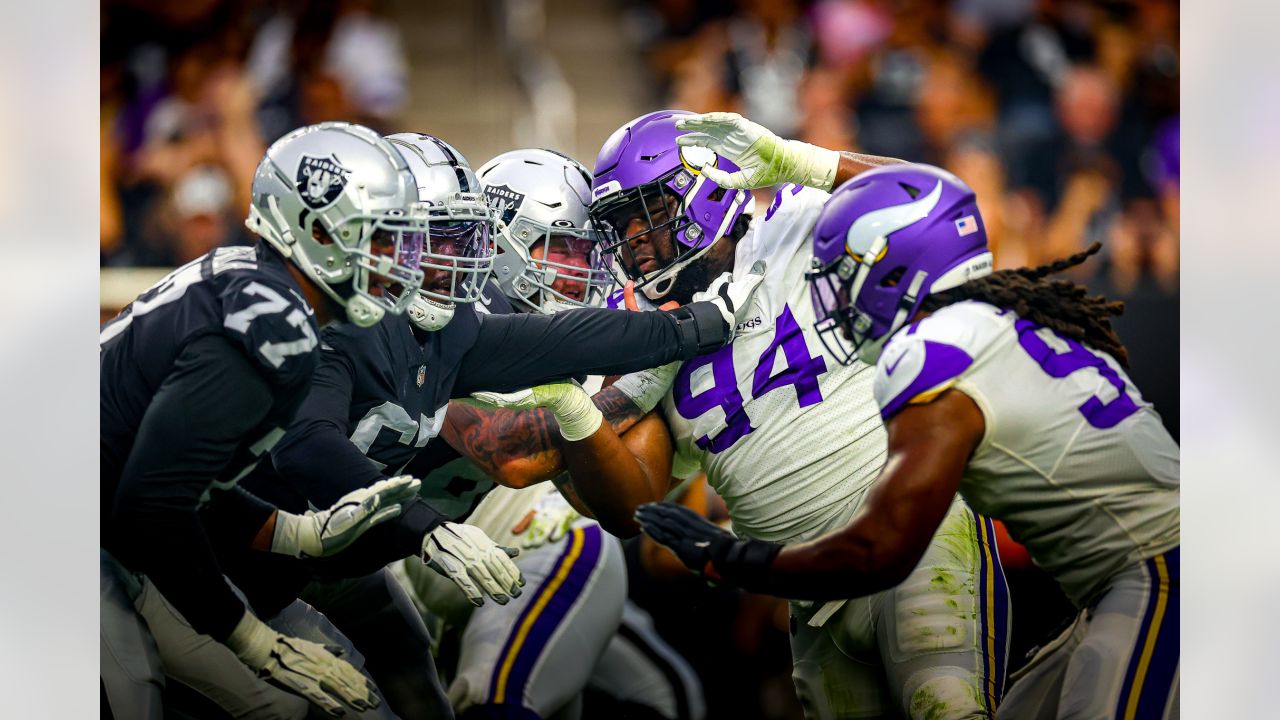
[
  {"x": 915, "y": 369},
  {"x": 275, "y": 324}
]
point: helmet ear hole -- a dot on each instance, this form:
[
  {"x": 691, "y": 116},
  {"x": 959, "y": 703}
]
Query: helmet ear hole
[
  {"x": 894, "y": 277},
  {"x": 319, "y": 234}
]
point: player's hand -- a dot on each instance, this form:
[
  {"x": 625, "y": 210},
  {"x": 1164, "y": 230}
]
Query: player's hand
[
  {"x": 576, "y": 414},
  {"x": 326, "y": 532},
  {"x": 629, "y": 299},
  {"x": 764, "y": 158},
  {"x": 708, "y": 549},
  {"x": 733, "y": 298},
  {"x": 300, "y": 666},
  {"x": 694, "y": 539},
  {"x": 551, "y": 519},
  {"x": 478, "y": 565}
]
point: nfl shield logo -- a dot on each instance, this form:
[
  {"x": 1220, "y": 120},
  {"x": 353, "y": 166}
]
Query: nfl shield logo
[{"x": 422, "y": 375}]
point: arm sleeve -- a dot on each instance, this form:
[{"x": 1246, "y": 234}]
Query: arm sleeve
[
  {"x": 236, "y": 516},
  {"x": 211, "y": 400},
  {"x": 518, "y": 351},
  {"x": 316, "y": 456}
]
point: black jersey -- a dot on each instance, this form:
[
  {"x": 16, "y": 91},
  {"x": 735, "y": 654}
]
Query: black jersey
[
  {"x": 378, "y": 398},
  {"x": 199, "y": 376}
]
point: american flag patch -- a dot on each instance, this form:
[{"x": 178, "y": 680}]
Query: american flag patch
[{"x": 966, "y": 225}]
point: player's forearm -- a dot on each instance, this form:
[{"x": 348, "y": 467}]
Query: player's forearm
[
  {"x": 519, "y": 448},
  {"x": 513, "y": 352},
  {"x": 317, "y": 457},
  {"x": 847, "y": 564},
  {"x": 612, "y": 479},
  {"x": 852, "y": 163}
]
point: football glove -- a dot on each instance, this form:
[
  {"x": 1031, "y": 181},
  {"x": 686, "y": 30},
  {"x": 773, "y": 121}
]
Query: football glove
[
  {"x": 479, "y": 566},
  {"x": 733, "y": 298},
  {"x": 706, "y": 548},
  {"x": 575, "y": 413},
  {"x": 764, "y": 158},
  {"x": 300, "y": 666},
  {"x": 325, "y": 532},
  {"x": 552, "y": 518}
]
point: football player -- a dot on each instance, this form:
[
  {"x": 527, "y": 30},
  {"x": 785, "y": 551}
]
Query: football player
[
  {"x": 200, "y": 374},
  {"x": 379, "y": 397},
  {"x": 1008, "y": 387},
  {"x": 788, "y": 435},
  {"x": 534, "y": 656}
]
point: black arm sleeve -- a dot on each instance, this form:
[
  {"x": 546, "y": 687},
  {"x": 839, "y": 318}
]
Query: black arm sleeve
[
  {"x": 316, "y": 455},
  {"x": 211, "y": 400},
  {"x": 522, "y": 350},
  {"x": 235, "y": 517}
]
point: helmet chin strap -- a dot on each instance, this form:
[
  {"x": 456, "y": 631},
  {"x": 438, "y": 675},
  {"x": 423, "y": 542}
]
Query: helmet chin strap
[{"x": 428, "y": 315}]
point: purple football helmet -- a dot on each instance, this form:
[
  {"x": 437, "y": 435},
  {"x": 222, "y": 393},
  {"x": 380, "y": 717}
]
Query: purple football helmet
[
  {"x": 885, "y": 240},
  {"x": 645, "y": 183}
]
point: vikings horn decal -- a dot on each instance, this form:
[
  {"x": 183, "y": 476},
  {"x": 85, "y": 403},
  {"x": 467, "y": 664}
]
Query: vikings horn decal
[{"x": 320, "y": 180}]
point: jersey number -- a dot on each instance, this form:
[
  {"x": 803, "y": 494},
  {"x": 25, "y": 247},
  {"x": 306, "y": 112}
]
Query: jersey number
[
  {"x": 802, "y": 371},
  {"x": 406, "y": 430},
  {"x": 1061, "y": 364},
  {"x": 275, "y": 352}
]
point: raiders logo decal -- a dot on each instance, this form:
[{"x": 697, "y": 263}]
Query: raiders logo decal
[
  {"x": 505, "y": 201},
  {"x": 320, "y": 180}
]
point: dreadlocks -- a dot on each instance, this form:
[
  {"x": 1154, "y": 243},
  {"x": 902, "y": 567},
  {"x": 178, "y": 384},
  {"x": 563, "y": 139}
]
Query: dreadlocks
[{"x": 1061, "y": 305}]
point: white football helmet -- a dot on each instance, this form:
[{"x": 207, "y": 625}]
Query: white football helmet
[
  {"x": 337, "y": 200},
  {"x": 548, "y": 257},
  {"x": 457, "y": 251}
]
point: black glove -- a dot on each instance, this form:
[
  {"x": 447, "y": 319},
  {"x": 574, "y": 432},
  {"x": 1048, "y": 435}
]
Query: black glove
[{"x": 698, "y": 543}]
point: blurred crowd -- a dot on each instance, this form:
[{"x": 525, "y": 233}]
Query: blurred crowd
[
  {"x": 1062, "y": 115},
  {"x": 193, "y": 92}
]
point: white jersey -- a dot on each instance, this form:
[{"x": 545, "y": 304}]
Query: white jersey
[
  {"x": 1073, "y": 460},
  {"x": 788, "y": 436}
]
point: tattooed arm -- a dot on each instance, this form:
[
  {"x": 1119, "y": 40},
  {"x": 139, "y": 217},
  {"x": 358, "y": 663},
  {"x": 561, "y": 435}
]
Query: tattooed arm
[{"x": 518, "y": 448}]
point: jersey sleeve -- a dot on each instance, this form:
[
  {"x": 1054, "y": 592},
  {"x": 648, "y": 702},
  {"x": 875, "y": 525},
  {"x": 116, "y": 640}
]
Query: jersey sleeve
[
  {"x": 274, "y": 324},
  {"x": 916, "y": 369}
]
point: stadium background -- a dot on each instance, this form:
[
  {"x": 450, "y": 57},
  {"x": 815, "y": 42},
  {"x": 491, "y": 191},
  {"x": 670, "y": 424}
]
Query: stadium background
[{"x": 1063, "y": 116}]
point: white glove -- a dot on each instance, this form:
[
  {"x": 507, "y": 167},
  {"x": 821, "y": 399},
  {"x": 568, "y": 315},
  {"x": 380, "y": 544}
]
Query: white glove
[
  {"x": 465, "y": 555},
  {"x": 575, "y": 413},
  {"x": 552, "y": 517},
  {"x": 734, "y": 297},
  {"x": 301, "y": 666},
  {"x": 646, "y": 388},
  {"x": 765, "y": 158},
  {"x": 322, "y": 533}
]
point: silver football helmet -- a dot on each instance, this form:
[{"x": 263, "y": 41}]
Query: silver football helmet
[
  {"x": 457, "y": 250},
  {"x": 548, "y": 254},
  {"x": 338, "y": 201}
]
